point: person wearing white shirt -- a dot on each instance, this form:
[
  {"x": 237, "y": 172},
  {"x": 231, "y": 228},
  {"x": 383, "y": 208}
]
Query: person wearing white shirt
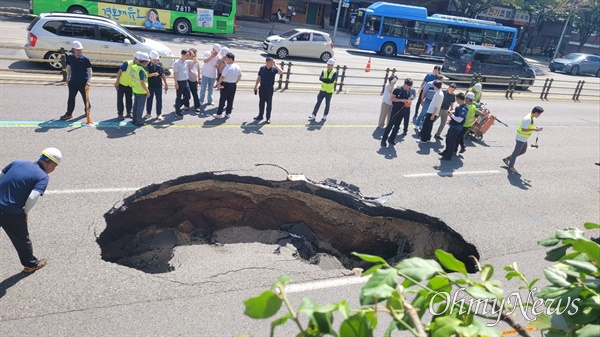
[
  {"x": 209, "y": 73},
  {"x": 386, "y": 102},
  {"x": 227, "y": 83},
  {"x": 433, "y": 112},
  {"x": 180, "y": 75}
]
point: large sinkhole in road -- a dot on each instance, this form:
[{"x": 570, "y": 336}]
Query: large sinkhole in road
[{"x": 321, "y": 221}]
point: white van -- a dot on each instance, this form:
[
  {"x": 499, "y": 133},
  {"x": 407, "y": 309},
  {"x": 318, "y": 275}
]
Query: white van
[{"x": 105, "y": 42}]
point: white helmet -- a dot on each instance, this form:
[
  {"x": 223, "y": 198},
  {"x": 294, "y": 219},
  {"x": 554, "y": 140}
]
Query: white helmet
[
  {"x": 154, "y": 55},
  {"x": 53, "y": 154},
  {"x": 76, "y": 45},
  {"x": 477, "y": 87},
  {"x": 470, "y": 96}
]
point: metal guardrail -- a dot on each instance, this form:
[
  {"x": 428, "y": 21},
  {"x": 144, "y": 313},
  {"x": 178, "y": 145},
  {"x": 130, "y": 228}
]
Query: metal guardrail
[{"x": 351, "y": 78}]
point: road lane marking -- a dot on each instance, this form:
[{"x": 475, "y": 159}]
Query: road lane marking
[
  {"x": 449, "y": 173},
  {"x": 94, "y": 190},
  {"x": 325, "y": 284}
]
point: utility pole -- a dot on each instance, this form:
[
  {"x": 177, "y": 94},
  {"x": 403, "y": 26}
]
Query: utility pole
[{"x": 561, "y": 36}]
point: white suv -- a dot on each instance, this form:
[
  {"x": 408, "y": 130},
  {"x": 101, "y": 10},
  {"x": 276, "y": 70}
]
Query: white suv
[{"x": 50, "y": 31}]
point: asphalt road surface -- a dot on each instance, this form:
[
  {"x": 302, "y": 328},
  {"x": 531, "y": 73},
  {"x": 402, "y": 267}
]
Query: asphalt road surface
[{"x": 78, "y": 294}]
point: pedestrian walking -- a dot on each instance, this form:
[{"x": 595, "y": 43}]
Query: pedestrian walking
[
  {"x": 123, "y": 86},
  {"x": 386, "y": 102},
  {"x": 328, "y": 78},
  {"x": 232, "y": 73},
  {"x": 426, "y": 97},
  {"x": 432, "y": 76},
  {"x": 447, "y": 104},
  {"x": 524, "y": 131},
  {"x": 468, "y": 123},
  {"x": 433, "y": 110},
  {"x": 457, "y": 119},
  {"x": 22, "y": 182},
  {"x": 266, "y": 79},
  {"x": 140, "y": 90},
  {"x": 156, "y": 78},
  {"x": 209, "y": 74},
  {"x": 79, "y": 74},
  {"x": 194, "y": 76},
  {"x": 400, "y": 104},
  {"x": 180, "y": 76}
]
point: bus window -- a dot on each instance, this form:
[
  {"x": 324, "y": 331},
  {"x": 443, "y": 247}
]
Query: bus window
[
  {"x": 393, "y": 27},
  {"x": 506, "y": 38},
  {"x": 372, "y": 24},
  {"x": 358, "y": 22},
  {"x": 473, "y": 35},
  {"x": 490, "y": 38},
  {"x": 413, "y": 29},
  {"x": 433, "y": 32}
]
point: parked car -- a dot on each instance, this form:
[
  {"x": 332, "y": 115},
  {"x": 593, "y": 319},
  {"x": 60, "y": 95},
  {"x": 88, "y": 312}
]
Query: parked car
[
  {"x": 466, "y": 59},
  {"x": 300, "y": 42},
  {"x": 49, "y": 32},
  {"x": 577, "y": 63}
]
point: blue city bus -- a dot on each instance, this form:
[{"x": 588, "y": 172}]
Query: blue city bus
[{"x": 391, "y": 29}]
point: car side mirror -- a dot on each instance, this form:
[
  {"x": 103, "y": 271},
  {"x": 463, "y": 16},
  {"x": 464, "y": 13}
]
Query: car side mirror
[{"x": 127, "y": 42}]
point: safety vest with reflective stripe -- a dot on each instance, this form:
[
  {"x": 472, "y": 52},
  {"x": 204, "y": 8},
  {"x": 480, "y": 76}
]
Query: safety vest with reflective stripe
[
  {"x": 125, "y": 78},
  {"x": 328, "y": 87},
  {"x": 136, "y": 82},
  {"x": 477, "y": 95},
  {"x": 470, "y": 119},
  {"x": 523, "y": 133}
]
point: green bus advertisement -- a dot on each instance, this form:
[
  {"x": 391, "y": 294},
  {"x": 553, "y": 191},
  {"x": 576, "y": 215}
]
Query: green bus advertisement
[{"x": 181, "y": 16}]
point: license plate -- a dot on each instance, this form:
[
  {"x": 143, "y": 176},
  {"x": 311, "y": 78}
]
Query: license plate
[{"x": 452, "y": 68}]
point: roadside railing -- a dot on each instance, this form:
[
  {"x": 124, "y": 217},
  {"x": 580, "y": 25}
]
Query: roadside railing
[{"x": 305, "y": 77}]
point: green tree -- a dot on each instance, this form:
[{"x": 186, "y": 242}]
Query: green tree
[
  {"x": 470, "y": 8},
  {"x": 539, "y": 12},
  {"x": 586, "y": 20}
]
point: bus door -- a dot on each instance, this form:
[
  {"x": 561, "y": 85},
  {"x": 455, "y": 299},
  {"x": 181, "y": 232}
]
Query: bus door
[{"x": 370, "y": 38}]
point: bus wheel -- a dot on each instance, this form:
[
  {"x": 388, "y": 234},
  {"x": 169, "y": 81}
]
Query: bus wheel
[
  {"x": 182, "y": 27},
  {"x": 388, "y": 49},
  {"x": 282, "y": 53},
  {"x": 77, "y": 10},
  {"x": 325, "y": 56},
  {"x": 54, "y": 58}
]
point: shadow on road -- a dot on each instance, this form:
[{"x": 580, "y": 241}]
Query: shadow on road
[
  {"x": 516, "y": 180},
  {"x": 11, "y": 281},
  {"x": 252, "y": 127}
]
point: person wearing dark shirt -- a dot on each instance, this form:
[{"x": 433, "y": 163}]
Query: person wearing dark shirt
[
  {"x": 156, "y": 77},
  {"x": 432, "y": 76},
  {"x": 447, "y": 104},
  {"x": 21, "y": 184},
  {"x": 328, "y": 78},
  {"x": 266, "y": 78},
  {"x": 457, "y": 119},
  {"x": 400, "y": 105},
  {"x": 79, "y": 74}
]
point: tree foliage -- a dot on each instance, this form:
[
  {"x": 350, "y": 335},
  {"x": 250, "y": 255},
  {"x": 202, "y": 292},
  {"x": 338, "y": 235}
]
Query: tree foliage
[
  {"x": 568, "y": 306},
  {"x": 586, "y": 19}
]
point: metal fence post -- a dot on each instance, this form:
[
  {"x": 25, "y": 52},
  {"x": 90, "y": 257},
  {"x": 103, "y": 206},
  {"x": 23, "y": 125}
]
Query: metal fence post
[
  {"x": 387, "y": 75},
  {"x": 514, "y": 86},
  {"x": 544, "y": 88},
  {"x": 63, "y": 63},
  {"x": 509, "y": 87},
  {"x": 342, "y": 79},
  {"x": 580, "y": 88},
  {"x": 576, "y": 89},
  {"x": 280, "y": 82},
  {"x": 548, "y": 89},
  {"x": 287, "y": 75}
]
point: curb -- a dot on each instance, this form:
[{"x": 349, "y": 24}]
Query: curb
[{"x": 14, "y": 10}]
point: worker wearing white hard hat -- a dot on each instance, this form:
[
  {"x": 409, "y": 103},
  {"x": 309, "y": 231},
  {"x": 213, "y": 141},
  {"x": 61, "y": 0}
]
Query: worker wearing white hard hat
[
  {"x": 79, "y": 74},
  {"x": 468, "y": 122},
  {"x": 476, "y": 90},
  {"x": 139, "y": 87},
  {"x": 22, "y": 182},
  {"x": 209, "y": 74},
  {"x": 156, "y": 78},
  {"x": 328, "y": 78}
]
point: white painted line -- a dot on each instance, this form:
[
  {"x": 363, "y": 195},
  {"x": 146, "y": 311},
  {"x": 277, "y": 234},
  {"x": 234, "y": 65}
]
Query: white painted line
[
  {"x": 449, "y": 174},
  {"x": 324, "y": 284},
  {"x": 94, "y": 190}
]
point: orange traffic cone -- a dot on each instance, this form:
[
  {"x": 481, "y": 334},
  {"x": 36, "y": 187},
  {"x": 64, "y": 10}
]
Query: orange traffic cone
[{"x": 368, "y": 67}]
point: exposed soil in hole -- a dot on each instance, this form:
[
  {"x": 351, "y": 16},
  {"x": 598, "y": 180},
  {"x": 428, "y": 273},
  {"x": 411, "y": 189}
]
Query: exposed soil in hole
[{"x": 323, "y": 225}]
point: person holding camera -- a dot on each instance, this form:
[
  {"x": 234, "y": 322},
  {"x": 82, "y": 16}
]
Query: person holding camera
[
  {"x": 386, "y": 102},
  {"x": 400, "y": 106}
]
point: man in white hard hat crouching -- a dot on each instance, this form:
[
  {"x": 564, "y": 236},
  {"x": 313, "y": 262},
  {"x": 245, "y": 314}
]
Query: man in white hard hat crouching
[{"x": 21, "y": 184}]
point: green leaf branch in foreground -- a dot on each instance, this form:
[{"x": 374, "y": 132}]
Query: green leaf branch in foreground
[{"x": 460, "y": 304}]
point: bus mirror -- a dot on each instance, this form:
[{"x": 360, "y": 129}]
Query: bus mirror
[{"x": 127, "y": 42}]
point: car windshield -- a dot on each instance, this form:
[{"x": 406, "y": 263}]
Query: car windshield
[
  {"x": 135, "y": 36},
  {"x": 289, "y": 33},
  {"x": 574, "y": 56}
]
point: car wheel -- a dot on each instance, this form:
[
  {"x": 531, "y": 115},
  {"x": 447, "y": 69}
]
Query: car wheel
[
  {"x": 54, "y": 58},
  {"x": 77, "y": 10},
  {"x": 388, "y": 49},
  {"x": 525, "y": 85},
  {"x": 282, "y": 53},
  {"x": 182, "y": 27},
  {"x": 287, "y": 20},
  {"x": 325, "y": 56},
  {"x": 553, "y": 70},
  {"x": 598, "y": 73},
  {"x": 574, "y": 70}
]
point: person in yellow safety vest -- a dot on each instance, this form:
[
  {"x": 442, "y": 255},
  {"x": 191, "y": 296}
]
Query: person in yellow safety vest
[
  {"x": 140, "y": 89},
  {"x": 123, "y": 86},
  {"x": 524, "y": 131},
  {"x": 469, "y": 120},
  {"x": 328, "y": 78},
  {"x": 476, "y": 89}
]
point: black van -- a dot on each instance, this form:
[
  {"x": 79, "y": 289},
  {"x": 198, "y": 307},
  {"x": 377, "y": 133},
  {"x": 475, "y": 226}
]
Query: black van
[{"x": 464, "y": 59}]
